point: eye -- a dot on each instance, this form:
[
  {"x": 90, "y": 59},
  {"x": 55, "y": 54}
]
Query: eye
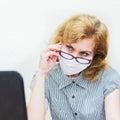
[
  {"x": 84, "y": 53},
  {"x": 69, "y": 48}
]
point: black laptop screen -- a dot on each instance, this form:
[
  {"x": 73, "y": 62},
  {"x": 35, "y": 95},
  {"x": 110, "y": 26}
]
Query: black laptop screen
[{"x": 12, "y": 96}]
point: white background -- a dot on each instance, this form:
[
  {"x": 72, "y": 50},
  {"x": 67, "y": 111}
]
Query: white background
[{"x": 26, "y": 26}]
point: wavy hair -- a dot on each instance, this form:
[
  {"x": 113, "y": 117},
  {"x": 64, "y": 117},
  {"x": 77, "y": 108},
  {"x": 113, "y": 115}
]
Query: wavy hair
[{"x": 86, "y": 26}]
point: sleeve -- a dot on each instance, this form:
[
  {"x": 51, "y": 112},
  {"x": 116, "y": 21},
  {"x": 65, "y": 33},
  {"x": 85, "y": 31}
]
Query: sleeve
[
  {"x": 46, "y": 86},
  {"x": 112, "y": 81},
  {"x": 32, "y": 82}
]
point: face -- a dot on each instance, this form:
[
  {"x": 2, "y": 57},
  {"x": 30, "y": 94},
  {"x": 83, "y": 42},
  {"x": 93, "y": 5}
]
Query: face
[{"x": 82, "y": 48}]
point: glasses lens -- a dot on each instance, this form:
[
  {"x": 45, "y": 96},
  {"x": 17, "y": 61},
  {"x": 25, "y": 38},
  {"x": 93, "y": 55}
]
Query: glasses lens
[
  {"x": 66, "y": 55},
  {"x": 70, "y": 57},
  {"x": 83, "y": 61}
]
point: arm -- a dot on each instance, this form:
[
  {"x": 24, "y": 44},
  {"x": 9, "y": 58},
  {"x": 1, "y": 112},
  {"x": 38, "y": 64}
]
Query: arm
[
  {"x": 112, "y": 105},
  {"x": 37, "y": 105}
]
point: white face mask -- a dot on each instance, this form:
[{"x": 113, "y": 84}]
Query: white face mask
[{"x": 70, "y": 67}]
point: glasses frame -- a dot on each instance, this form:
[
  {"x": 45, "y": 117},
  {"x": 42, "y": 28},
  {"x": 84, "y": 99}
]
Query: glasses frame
[{"x": 73, "y": 57}]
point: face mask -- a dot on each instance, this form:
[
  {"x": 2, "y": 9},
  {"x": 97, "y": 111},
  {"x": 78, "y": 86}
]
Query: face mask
[{"x": 70, "y": 67}]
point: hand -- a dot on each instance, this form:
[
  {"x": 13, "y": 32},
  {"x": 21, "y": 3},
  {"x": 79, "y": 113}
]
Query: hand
[{"x": 48, "y": 58}]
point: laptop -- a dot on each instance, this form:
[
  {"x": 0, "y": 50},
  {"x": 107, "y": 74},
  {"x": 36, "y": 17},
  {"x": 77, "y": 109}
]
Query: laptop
[{"x": 12, "y": 96}]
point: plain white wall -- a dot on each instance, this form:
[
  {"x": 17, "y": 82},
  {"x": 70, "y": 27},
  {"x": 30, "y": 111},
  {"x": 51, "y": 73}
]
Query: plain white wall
[{"x": 27, "y": 25}]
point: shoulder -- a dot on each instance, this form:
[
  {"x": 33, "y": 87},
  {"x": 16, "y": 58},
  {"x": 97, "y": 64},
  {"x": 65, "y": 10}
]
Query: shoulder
[
  {"x": 52, "y": 81},
  {"x": 110, "y": 80},
  {"x": 56, "y": 68},
  {"x": 110, "y": 74},
  {"x": 55, "y": 71},
  {"x": 54, "y": 75}
]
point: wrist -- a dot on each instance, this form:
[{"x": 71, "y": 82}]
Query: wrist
[{"x": 41, "y": 73}]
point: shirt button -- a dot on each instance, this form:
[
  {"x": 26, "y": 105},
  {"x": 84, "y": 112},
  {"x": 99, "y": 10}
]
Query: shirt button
[
  {"x": 73, "y": 81},
  {"x": 75, "y": 113},
  {"x": 73, "y": 96}
]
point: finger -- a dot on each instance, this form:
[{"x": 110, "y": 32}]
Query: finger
[
  {"x": 53, "y": 58},
  {"x": 56, "y": 47},
  {"x": 50, "y": 54}
]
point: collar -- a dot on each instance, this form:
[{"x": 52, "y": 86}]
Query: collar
[
  {"x": 81, "y": 81},
  {"x": 63, "y": 81}
]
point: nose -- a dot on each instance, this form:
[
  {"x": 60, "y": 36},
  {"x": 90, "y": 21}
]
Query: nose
[{"x": 75, "y": 54}]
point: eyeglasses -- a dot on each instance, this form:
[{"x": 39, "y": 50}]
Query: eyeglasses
[{"x": 78, "y": 59}]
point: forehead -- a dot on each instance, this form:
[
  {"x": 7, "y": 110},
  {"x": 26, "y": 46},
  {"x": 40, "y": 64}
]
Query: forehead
[{"x": 86, "y": 44}]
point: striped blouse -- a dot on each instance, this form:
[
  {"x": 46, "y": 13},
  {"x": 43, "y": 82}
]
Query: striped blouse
[{"x": 79, "y": 99}]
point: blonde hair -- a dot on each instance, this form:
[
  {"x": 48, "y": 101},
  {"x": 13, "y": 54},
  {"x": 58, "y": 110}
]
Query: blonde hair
[{"x": 86, "y": 26}]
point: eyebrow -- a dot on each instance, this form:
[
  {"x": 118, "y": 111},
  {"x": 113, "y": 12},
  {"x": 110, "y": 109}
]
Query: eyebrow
[
  {"x": 70, "y": 46},
  {"x": 80, "y": 51}
]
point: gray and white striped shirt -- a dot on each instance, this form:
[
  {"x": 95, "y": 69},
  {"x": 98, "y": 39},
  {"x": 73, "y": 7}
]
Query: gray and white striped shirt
[{"x": 79, "y": 99}]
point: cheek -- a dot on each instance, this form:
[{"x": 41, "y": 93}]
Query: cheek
[
  {"x": 63, "y": 47},
  {"x": 92, "y": 54}
]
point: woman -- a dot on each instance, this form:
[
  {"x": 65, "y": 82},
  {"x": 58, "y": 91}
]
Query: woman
[{"x": 74, "y": 77}]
